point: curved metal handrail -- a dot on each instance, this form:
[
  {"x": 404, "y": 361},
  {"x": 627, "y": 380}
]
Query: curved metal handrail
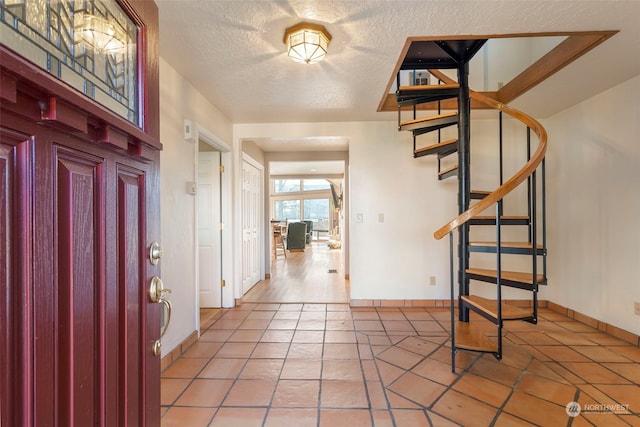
[{"x": 512, "y": 182}]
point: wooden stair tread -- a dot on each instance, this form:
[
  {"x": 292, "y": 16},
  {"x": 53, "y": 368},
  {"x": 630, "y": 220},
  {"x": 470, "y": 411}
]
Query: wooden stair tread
[
  {"x": 437, "y": 146},
  {"x": 504, "y": 220},
  {"x": 428, "y": 88},
  {"x": 425, "y": 94},
  {"x": 514, "y": 276},
  {"x": 469, "y": 337},
  {"x": 509, "y": 311},
  {"x": 412, "y": 124},
  {"x": 479, "y": 194},
  {"x": 493, "y": 217},
  {"x": 519, "y": 245},
  {"x": 448, "y": 172},
  {"x": 449, "y": 169}
]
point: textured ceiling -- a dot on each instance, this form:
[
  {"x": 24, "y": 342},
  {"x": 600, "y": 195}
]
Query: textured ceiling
[{"x": 232, "y": 50}]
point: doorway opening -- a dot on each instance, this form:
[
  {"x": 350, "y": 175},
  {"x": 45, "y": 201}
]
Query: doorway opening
[{"x": 312, "y": 192}]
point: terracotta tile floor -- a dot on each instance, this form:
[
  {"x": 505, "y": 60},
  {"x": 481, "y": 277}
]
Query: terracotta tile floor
[{"x": 331, "y": 365}]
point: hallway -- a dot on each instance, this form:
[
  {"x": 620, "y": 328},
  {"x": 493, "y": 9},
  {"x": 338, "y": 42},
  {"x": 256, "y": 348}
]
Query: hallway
[
  {"x": 315, "y": 275},
  {"x": 332, "y": 365}
]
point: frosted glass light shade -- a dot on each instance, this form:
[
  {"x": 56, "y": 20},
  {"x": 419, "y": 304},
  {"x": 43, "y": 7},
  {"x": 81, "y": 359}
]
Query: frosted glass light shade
[{"x": 307, "y": 43}]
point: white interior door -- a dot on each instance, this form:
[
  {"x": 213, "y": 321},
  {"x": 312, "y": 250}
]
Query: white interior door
[
  {"x": 251, "y": 220},
  {"x": 209, "y": 233}
]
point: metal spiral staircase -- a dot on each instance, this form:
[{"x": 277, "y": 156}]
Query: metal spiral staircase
[{"x": 470, "y": 332}]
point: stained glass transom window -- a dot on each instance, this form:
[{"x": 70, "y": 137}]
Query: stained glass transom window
[{"x": 89, "y": 44}]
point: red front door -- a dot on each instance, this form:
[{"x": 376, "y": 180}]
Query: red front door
[
  {"x": 78, "y": 325},
  {"x": 79, "y": 211}
]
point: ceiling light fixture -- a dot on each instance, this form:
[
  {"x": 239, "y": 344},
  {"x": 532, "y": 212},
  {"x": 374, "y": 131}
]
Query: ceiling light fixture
[{"x": 307, "y": 43}]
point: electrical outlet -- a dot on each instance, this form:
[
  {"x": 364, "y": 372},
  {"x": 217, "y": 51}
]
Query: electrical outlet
[
  {"x": 636, "y": 308},
  {"x": 432, "y": 281}
]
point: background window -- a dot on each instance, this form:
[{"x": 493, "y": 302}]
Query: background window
[
  {"x": 287, "y": 210},
  {"x": 315, "y": 184},
  {"x": 317, "y": 210},
  {"x": 286, "y": 185}
]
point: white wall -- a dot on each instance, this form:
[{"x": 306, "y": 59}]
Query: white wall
[
  {"x": 180, "y": 101},
  {"x": 252, "y": 150},
  {"x": 395, "y": 258},
  {"x": 594, "y": 206}
]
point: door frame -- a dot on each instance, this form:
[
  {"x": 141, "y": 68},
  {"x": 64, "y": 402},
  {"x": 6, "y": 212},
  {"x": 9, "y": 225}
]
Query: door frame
[{"x": 194, "y": 132}]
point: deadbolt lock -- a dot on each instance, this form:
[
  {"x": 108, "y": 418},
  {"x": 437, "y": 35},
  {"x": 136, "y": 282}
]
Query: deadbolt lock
[{"x": 155, "y": 253}]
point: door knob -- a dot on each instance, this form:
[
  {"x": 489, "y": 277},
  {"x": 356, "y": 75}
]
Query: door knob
[{"x": 157, "y": 290}]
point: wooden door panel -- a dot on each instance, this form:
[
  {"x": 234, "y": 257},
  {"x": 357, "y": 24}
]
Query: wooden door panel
[
  {"x": 79, "y": 202},
  {"x": 15, "y": 274},
  {"x": 150, "y": 214},
  {"x": 132, "y": 293}
]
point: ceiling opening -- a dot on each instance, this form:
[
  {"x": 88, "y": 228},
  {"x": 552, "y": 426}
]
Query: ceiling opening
[{"x": 506, "y": 66}]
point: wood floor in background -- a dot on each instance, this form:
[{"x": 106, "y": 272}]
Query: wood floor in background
[{"x": 313, "y": 276}]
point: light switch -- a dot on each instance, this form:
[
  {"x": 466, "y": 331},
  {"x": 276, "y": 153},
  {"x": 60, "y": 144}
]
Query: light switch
[
  {"x": 189, "y": 134},
  {"x": 359, "y": 217},
  {"x": 380, "y": 217}
]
